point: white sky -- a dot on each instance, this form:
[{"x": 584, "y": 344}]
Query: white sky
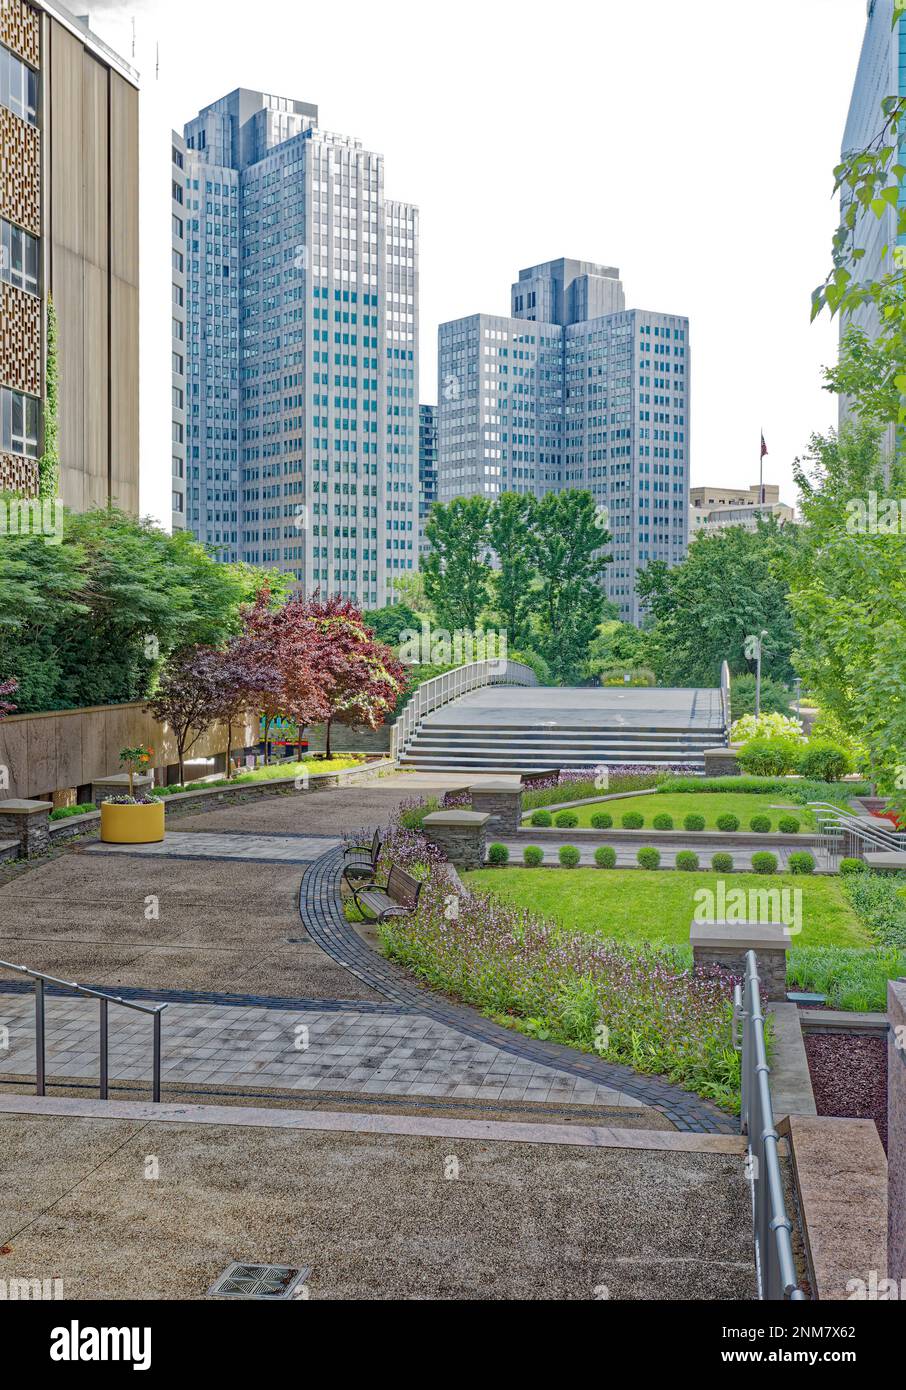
[{"x": 691, "y": 144}]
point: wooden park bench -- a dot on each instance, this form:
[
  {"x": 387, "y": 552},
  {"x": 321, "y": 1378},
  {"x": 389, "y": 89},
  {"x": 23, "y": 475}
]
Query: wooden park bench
[
  {"x": 396, "y": 898},
  {"x": 366, "y": 866}
]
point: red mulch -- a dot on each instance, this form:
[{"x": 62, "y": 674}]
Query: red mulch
[{"x": 849, "y": 1076}]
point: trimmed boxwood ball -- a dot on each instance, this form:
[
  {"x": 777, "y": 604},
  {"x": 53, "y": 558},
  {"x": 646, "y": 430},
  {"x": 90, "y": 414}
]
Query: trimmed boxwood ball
[
  {"x": 687, "y": 861},
  {"x": 601, "y": 820},
  {"x": 694, "y": 822},
  {"x": 569, "y": 856},
  {"x": 852, "y": 866},
  {"x": 764, "y": 862},
  {"x": 649, "y": 858},
  {"x": 722, "y": 863},
  {"x": 605, "y": 857},
  {"x": 566, "y": 820},
  {"x": 801, "y": 862},
  {"x": 788, "y": 825},
  {"x": 498, "y": 854},
  {"x": 633, "y": 820},
  {"x": 541, "y": 818},
  {"x": 532, "y": 856},
  {"x": 728, "y": 822},
  {"x": 760, "y": 823},
  {"x": 663, "y": 821}
]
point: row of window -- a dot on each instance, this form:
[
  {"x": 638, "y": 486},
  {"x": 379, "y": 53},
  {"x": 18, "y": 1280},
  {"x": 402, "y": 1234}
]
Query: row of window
[
  {"x": 18, "y": 87},
  {"x": 19, "y": 423}
]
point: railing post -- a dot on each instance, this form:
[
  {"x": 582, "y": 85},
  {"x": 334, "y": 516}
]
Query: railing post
[
  {"x": 155, "y": 1093},
  {"x": 104, "y": 1065},
  {"x": 39, "y": 1038}
]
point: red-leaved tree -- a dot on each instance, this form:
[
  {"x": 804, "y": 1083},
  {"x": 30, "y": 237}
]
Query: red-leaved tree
[
  {"x": 187, "y": 698},
  {"x": 289, "y": 652}
]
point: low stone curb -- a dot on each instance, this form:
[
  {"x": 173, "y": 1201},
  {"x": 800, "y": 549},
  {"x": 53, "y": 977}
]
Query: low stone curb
[{"x": 707, "y": 839}]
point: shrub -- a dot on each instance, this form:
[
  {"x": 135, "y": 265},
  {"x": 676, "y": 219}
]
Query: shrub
[
  {"x": 605, "y": 856},
  {"x": 633, "y": 820},
  {"x": 541, "y": 818},
  {"x": 662, "y": 821},
  {"x": 601, "y": 820},
  {"x": 687, "y": 861},
  {"x": 775, "y": 698},
  {"x": 569, "y": 856},
  {"x": 649, "y": 858},
  {"x": 803, "y": 790},
  {"x": 764, "y": 862},
  {"x": 62, "y": 812},
  {"x": 801, "y": 862},
  {"x": 498, "y": 854},
  {"x": 694, "y": 822},
  {"x": 728, "y": 822},
  {"x": 761, "y": 824},
  {"x": 879, "y": 901},
  {"x": 768, "y": 725},
  {"x": 566, "y": 820},
  {"x": 722, "y": 863},
  {"x": 770, "y": 757},
  {"x": 824, "y": 760},
  {"x": 412, "y": 814},
  {"x": 852, "y": 866},
  {"x": 532, "y": 856},
  {"x": 788, "y": 825}
]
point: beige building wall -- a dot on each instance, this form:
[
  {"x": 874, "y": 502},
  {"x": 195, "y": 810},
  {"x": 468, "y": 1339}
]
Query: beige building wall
[{"x": 72, "y": 180}]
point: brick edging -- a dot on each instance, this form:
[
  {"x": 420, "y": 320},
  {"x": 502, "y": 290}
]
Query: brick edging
[{"x": 320, "y": 907}]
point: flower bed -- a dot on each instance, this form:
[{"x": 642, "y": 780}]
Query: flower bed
[
  {"x": 638, "y": 1007},
  {"x": 575, "y": 784}
]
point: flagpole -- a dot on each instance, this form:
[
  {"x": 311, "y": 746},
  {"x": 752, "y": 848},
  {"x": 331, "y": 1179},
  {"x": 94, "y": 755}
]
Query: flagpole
[{"x": 761, "y": 468}]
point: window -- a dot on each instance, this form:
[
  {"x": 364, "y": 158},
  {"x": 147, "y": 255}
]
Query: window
[
  {"x": 18, "y": 87},
  {"x": 19, "y": 257},
  {"x": 19, "y": 423},
  {"x": 178, "y": 502}
]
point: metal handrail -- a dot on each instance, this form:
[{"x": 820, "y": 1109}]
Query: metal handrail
[
  {"x": 725, "y": 697},
  {"x": 832, "y": 821},
  {"x": 774, "y": 1263},
  {"x": 40, "y": 979},
  {"x": 440, "y": 690}
]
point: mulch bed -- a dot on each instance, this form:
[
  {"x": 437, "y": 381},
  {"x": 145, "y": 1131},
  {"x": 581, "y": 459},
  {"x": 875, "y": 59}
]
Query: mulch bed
[{"x": 849, "y": 1076}]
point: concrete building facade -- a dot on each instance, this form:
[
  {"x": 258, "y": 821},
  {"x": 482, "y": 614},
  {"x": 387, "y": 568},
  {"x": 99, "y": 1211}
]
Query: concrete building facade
[
  {"x": 574, "y": 390},
  {"x": 715, "y": 508},
  {"x": 427, "y": 468},
  {"x": 178, "y": 328},
  {"x": 69, "y": 226},
  {"x": 302, "y": 349}
]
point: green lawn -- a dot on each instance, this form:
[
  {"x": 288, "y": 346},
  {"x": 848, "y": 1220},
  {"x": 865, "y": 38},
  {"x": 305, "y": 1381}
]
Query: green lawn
[
  {"x": 708, "y": 804},
  {"x": 636, "y": 906}
]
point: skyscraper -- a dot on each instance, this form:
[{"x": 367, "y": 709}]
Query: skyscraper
[
  {"x": 574, "y": 390},
  {"x": 302, "y": 353},
  {"x": 427, "y": 467},
  {"x": 178, "y": 328},
  {"x": 881, "y": 73}
]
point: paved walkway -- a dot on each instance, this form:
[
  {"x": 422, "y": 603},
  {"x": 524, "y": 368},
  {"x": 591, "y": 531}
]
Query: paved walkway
[
  {"x": 626, "y": 854},
  {"x": 178, "y": 844},
  {"x": 393, "y": 1052},
  {"x": 585, "y": 707}
]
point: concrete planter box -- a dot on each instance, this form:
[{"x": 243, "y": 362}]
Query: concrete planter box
[{"x": 132, "y": 825}]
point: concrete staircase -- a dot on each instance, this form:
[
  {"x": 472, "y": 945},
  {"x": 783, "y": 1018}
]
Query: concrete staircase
[{"x": 445, "y": 746}]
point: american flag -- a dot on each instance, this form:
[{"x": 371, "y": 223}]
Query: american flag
[{"x": 764, "y": 447}]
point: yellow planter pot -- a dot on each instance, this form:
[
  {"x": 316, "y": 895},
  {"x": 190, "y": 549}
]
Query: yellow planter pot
[{"x": 132, "y": 825}]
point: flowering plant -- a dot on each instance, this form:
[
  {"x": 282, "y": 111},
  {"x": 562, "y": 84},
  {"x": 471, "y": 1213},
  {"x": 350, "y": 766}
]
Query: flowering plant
[{"x": 765, "y": 726}]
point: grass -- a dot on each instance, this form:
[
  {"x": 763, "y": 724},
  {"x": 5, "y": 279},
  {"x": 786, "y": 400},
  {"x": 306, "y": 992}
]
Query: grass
[
  {"x": 265, "y": 774},
  {"x": 707, "y": 804},
  {"x": 852, "y": 980},
  {"x": 799, "y": 789},
  {"x": 635, "y": 906}
]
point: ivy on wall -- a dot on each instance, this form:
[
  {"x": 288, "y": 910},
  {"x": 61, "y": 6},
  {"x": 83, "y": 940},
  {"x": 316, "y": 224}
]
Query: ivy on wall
[{"x": 49, "y": 462}]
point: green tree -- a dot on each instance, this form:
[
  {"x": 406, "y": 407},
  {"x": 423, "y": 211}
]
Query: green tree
[
  {"x": 730, "y": 586},
  {"x": 510, "y": 533},
  {"x": 568, "y": 551},
  {"x": 456, "y": 568}
]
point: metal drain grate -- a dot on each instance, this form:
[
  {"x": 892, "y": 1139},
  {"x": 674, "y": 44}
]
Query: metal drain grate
[{"x": 260, "y": 1281}]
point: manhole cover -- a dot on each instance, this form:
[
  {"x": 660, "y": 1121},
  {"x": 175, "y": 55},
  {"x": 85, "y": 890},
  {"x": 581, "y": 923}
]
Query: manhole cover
[{"x": 260, "y": 1281}]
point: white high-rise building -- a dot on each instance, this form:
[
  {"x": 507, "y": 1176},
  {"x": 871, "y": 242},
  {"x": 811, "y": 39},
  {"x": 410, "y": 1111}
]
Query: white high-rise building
[
  {"x": 574, "y": 390},
  {"x": 302, "y": 353}
]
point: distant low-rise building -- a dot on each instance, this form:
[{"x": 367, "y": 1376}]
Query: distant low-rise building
[{"x": 715, "y": 508}]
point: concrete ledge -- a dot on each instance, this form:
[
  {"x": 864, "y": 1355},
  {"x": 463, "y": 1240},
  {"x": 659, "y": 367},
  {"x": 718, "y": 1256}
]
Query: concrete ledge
[
  {"x": 886, "y": 861},
  {"x": 255, "y": 1117},
  {"x": 707, "y": 839},
  {"x": 791, "y": 1082},
  {"x": 725, "y": 944},
  {"x": 839, "y": 1021},
  {"x": 840, "y": 1173}
]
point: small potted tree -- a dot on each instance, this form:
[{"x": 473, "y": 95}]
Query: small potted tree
[{"x": 133, "y": 820}]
